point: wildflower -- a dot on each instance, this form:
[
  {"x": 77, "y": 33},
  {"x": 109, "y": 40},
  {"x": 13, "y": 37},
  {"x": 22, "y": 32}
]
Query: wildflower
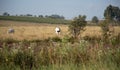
[
  {"x": 6, "y": 59},
  {"x": 29, "y": 47}
]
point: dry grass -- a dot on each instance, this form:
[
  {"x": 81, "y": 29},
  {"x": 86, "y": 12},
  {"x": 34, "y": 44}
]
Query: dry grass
[
  {"x": 96, "y": 31},
  {"x": 26, "y": 30}
]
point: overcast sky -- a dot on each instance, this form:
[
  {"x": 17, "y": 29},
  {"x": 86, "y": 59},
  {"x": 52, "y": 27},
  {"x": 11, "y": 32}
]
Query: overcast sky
[{"x": 68, "y": 8}]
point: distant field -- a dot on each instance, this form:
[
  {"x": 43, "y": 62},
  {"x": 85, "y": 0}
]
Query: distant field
[
  {"x": 27, "y": 30},
  {"x": 34, "y": 19}
]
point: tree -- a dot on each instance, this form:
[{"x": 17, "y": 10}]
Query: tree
[
  {"x": 77, "y": 25},
  {"x": 107, "y": 30},
  {"x": 28, "y": 15},
  {"x": 46, "y": 16},
  {"x": 55, "y": 16},
  {"x": 95, "y": 19},
  {"x": 117, "y": 14},
  {"x": 108, "y": 13},
  {"x": 112, "y": 13},
  {"x": 6, "y": 14},
  {"x": 41, "y": 16}
]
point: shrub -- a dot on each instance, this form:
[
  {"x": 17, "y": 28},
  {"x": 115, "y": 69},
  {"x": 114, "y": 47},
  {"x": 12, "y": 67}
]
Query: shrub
[
  {"x": 77, "y": 25},
  {"x": 106, "y": 30},
  {"x": 92, "y": 39},
  {"x": 56, "y": 39},
  {"x": 10, "y": 40},
  {"x": 24, "y": 59},
  {"x": 115, "y": 40}
]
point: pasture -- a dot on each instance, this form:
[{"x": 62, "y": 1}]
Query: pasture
[
  {"x": 39, "y": 52},
  {"x": 27, "y": 30}
]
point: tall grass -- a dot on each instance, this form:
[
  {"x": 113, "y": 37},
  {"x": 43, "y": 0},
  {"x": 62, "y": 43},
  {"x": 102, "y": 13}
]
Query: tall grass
[{"x": 51, "y": 54}]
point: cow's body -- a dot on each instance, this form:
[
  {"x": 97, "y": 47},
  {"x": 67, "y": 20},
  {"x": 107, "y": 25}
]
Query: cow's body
[
  {"x": 11, "y": 30},
  {"x": 57, "y": 30}
]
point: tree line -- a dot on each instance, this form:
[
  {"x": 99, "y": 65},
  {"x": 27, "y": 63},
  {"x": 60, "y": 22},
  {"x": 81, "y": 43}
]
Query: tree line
[
  {"x": 112, "y": 13},
  {"x": 54, "y": 16}
]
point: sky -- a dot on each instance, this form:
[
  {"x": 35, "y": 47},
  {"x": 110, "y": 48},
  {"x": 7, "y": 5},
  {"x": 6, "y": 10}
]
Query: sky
[{"x": 68, "y": 8}]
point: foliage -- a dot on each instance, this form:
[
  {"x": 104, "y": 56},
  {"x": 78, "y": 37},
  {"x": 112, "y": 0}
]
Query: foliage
[
  {"x": 41, "y": 16},
  {"x": 105, "y": 28},
  {"x": 55, "y": 16},
  {"x": 106, "y": 32},
  {"x": 95, "y": 19},
  {"x": 115, "y": 40},
  {"x": 34, "y": 55},
  {"x": 77, "y": 25},
  {"x": 56, "y": 39},
  {"x": 6, "y": 14},
  {"x": 112, "y": 13},
  {"x": 29, "y": 15},
  {"x": 24, "y": 60}
]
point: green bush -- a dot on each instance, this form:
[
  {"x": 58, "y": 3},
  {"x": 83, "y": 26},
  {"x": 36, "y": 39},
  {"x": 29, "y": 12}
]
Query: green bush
[
  {"x": 115, "y": 40},
  {"x": 24, "y": 60},
  {"x": 77, "y": 26},
  {"x": 56, "y": 39}
]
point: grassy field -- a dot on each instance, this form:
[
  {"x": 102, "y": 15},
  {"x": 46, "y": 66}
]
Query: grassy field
[
  {"x": 27, "y": 30},
  {"x": 39, "y": 52}
]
